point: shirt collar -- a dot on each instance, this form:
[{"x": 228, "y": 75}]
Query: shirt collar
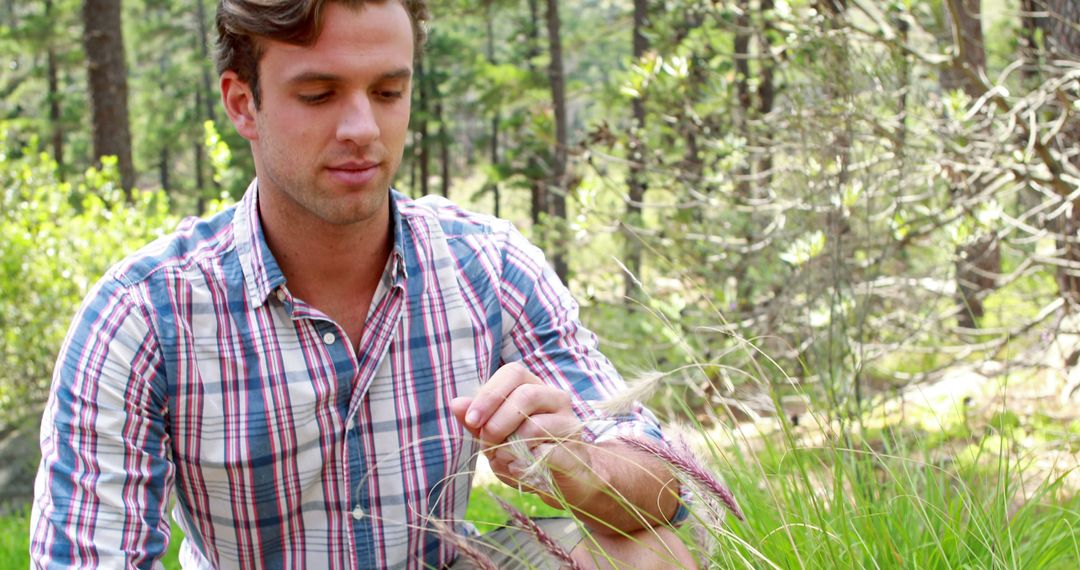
[
  {"x": 398, "y": 267},
  {"x": 261, "y": 272},
  {"x": 262, "y": 275}
]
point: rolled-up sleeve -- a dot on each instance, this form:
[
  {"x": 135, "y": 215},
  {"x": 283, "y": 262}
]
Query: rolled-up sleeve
[{"x": 105, "y": 475}]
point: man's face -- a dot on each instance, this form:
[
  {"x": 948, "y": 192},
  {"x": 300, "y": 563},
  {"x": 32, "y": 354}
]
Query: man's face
[{"x": 330, "y": 131}]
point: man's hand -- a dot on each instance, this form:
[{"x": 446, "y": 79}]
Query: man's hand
[
  {"x": 516, "y": 403},
  {"x": 614, "y": 488}
]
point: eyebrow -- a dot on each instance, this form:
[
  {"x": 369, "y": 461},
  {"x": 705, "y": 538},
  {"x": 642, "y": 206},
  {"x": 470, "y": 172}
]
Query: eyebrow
[{"x": 320, "y": 77}]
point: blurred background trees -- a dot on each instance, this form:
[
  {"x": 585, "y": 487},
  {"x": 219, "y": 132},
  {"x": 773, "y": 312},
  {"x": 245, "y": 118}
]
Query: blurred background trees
[{"x": 869, "y": 193}]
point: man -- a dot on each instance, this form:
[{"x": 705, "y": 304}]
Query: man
[{"x": 305, "y": 369}]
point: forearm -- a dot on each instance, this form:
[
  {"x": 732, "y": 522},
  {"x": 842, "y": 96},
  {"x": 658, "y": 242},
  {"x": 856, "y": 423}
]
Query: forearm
[{"x": 632, "y": 490}]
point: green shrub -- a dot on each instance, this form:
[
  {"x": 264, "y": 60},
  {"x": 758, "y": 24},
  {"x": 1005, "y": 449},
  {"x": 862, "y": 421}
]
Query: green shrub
[{"x": 56, "y": 239}]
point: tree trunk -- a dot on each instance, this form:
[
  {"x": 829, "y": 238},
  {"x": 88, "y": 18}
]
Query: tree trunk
[
  {"x": 200, "y": 183},
  {"x": 496, "y": 119},
  {"x": 742, "y": 93},
  {"x": 903, "y": 65},
  {"x": 55, "y": 115},
  {"x": 104, "y": 44},
  {"x": 692, "y": 168},
  {"x": 52, "y": 72},
  {"x": 205, "y": 102},
  {"x": 1062, "y": 39},
  {"x": 766, "y": 93},
  {"x": 414, "y": 167},
  {"x": 423, "y": 156},
  {"x": 747, "y": 186},
  {"x": 978, "y": 261},
  {"x": 832, "y": 7},
  {"x": 1063, "y": 28},
  {"x": 538, "y": 190},
  {"x": 970, "y": 62},
  {"x": 558, "y": 185},
  {"x": 637, "y": 184},
  {"x": 977, "y": 266},
  {"x": 163, "y": 168},
  {"x": 204, "y": 62},
  {"x": 444, "y": 151},
  {"x": 1029, "y": 48}
]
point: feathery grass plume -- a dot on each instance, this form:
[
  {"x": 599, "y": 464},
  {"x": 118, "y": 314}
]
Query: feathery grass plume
[
  {"x": 537, "y": 474},
  {"x": 682, "y": 459},
  {"x": 638, "y": 390},
  {"x": 464, "y": 546},
  {"x": 522, "y": 521}
]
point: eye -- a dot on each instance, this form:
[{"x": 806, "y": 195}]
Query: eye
[
  {"x": 390, "y": 95},
  {"x": 316, "y": 98}
]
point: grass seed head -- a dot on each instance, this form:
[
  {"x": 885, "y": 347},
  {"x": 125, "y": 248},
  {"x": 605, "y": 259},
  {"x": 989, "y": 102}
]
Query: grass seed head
[
  {"x": 682, "y": 459},
  {"x": 525, "y": 523},
  {"x": 464, "y": 546}
]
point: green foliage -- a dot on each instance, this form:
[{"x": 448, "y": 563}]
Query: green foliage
[
  {"x": 56, "y": 240},
  {"x": 15, "y": 540},
  {"x": 858, "y": 503},
  {"x": 914, "y": 521},
  {"x": 231, "y": 179},
  {"x": 486, "y": 514}
]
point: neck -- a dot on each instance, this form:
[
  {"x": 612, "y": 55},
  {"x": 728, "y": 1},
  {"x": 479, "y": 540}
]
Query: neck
[{"x": 323, "y": 263}]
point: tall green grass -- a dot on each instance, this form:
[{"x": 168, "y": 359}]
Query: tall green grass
[{"x": 888, "y": 502}]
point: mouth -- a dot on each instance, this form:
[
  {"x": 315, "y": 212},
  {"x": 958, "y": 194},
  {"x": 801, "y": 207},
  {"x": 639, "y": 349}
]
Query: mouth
[{"x": 354, "y": 173}]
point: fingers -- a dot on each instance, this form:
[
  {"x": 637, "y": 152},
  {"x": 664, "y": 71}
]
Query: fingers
[
  {"x": 514, "y": 402},
  {"x": 548, "y": 428},
  {"x": 525, "y": 401},
  {"x": 495, "y": 391},
  {"x": 459, "y": 407},
  {"x": 533, "y": 441}
]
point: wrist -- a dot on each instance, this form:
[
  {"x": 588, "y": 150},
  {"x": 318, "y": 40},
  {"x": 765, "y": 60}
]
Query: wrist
[{"x": 580, "y": 478}]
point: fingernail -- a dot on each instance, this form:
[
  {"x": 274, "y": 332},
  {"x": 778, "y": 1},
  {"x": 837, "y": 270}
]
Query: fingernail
[{"x": 472, "y": 418}]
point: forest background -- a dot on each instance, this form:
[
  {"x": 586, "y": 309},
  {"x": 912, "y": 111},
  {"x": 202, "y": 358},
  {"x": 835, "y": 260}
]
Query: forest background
[{"x": 789, "y": 219}]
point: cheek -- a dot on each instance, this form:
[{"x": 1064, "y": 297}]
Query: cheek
[
  {"x": 292, "y": 124},
  {"x": 395, "y": 124}
]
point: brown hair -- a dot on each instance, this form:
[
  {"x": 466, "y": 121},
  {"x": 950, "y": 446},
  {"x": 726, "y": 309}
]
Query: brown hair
[{"x": 297, "y": 22}]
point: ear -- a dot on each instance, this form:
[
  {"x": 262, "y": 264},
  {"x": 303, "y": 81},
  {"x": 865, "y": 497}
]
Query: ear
[{"x": 239, "y": 104}]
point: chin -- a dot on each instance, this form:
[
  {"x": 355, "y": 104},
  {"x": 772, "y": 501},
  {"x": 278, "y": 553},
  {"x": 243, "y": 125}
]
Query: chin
[{"x": 353, "y": 211}]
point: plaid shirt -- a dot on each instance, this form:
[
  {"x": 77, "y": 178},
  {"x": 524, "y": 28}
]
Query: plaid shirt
[{"x": 191, "y": 367}]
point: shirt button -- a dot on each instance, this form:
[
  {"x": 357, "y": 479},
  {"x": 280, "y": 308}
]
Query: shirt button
[
  {"x": 358, "y": 512},
  {"x": 351, "y": 425},
  {"x": 329, "y": 338},
  {"x": 281, "y": 295}
]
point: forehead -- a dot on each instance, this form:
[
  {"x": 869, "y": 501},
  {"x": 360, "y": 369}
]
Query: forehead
[{"x": 370, "y": 38}]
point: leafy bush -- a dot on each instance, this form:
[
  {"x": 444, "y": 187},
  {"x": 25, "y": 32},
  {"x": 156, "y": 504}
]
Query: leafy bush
[{"x": 56, "y": 239}]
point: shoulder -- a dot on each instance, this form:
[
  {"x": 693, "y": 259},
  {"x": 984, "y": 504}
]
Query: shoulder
[
  {"x": 469, "y": 235},
  {"x": 509, "y": 258},
  {"x": 194, "y": 242},
  {"x": 482, "y": 245},
  {"x": 453, "y": 220}
]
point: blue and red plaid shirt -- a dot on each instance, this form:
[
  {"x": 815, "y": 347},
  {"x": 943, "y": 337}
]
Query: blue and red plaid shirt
[{"x": 191, "y": 368}]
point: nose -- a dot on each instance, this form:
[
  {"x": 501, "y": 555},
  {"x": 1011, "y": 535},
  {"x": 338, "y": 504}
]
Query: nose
[{"x": 357, "y": 123}]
